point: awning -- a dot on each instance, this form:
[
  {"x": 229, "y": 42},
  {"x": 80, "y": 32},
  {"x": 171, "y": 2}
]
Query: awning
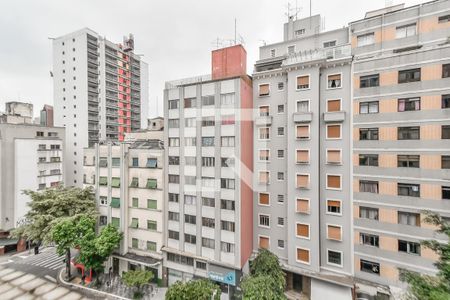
[
  {"x": 115, "y": 182},
  {"x": 103, "y": 181},
  {"x": 152, "y": 162},
  {"x": 115, "y": 202},
  {"x": 151, "y": 183},
  {"x": 8, "y": 242}
]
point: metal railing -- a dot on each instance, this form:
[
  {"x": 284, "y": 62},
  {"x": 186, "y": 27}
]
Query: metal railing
[
  {"x": 319, "y": 54},
  {"x": 190, "y": 80}
]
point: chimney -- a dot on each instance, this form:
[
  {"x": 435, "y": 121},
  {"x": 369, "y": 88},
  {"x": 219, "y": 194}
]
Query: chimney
[{"x": 229, "y": 62}]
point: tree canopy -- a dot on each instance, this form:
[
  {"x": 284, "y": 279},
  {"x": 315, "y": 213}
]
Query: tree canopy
[
  {"x": 137, "y": 278},
  {"x": 426, "y": 287},
  {"x": 50, "y": 206},
  {"x": 201, "y": 289}
]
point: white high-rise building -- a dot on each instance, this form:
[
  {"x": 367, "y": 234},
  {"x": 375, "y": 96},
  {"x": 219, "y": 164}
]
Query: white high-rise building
[{"x": 100, "y": 93}]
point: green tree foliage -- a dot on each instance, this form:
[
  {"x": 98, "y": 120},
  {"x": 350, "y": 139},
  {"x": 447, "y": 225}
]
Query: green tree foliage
[
  {"x": 49, "y": 207},
  {"x": 65, "y": 235},
  {"x": 137, "y": 279},
  {"x": 195, "y": 289},
  {"x": 266, "y": 280},
  {"x": 426, "y": 287}
]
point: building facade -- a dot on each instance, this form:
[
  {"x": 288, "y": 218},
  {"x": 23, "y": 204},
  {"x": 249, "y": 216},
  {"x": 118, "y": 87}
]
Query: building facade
[
  {"x": 100, "y": 93},
  {"x": 208, "y": 133},
  {"x": 128, "y": 182},
  {"x": 46, "y": 116},
  {"x": 17, "y": 113},
  {"x": 401, "y": 131},
  {"x": 31, "y": 158},
  {"x": 302, "y": 157}
]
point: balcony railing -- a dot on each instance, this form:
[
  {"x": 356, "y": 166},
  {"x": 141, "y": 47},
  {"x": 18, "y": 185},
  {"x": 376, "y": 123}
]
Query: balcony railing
[
  {"x": 190, "y": 80},
  {"x": 319, "y": 54}
]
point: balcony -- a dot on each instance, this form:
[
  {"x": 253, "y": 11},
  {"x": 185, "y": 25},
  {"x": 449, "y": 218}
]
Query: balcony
[
  {"x": 302, "y": 117},
  {"x": 334, "y": 53},
  {"x": 336, "y": 116},
  {"x": 263, "y": 121}
]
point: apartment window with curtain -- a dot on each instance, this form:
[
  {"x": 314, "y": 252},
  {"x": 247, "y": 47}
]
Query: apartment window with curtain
[
  {"x": 334, "y": 207},
  {"x": 407, "y": 218},
  {"x": 263, "y": 177},
  {"x": 189, "y": 142},
  {"x": 227, "y": 99},
  {"x": 368, "y": 213},
  {"x": 264, "y": 155},
  {"x": 227, "y": 204},
  {"x": 334, "y": 81},
  {"x": 367, "y": 134},
  {"x": 369, "y": 81},
  {"x": 208, "y": 100},
  {"x": 303, "y": 106},
  {"x": 208, "y": 121},
  {"x": 370, "y": 107},
  {"x": 190, "y": 102},
  {"x": 207, "y": 141},
  {"x": 368, "y": 160},
  {"x": 264, "y": 133},
  {"x": 227, "y": 141},
  {"x": 174, "y": 123},
  {"x": 173, "y": 104},
  {"x": 303, "y": 82},
  {"x": 211, "y": 202},
  {"x": 408, "y": 133},
  {"x": 407, "y": 189},
  {"x": 264, "y": 111},
  {"x": 408, "y": 104},
  {"x": 411, "y": 75},
  {"x": 366, "y": 186},
  {"x": 226, "y": 247},
  {"x": 365, "y": 39},
  {"x": 406, "y": 31},
  {"x": 408, "y": 161}
]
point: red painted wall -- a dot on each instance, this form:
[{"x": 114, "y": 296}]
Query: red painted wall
[
  {"x": 229, "y": 62},
  {"x": 246, "y": 169}
]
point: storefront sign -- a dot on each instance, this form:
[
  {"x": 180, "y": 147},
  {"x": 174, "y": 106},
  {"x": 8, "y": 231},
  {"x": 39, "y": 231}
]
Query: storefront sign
[{"x": 222, "y": 275}]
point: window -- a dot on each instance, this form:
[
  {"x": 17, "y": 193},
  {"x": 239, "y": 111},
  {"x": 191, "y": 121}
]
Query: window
[
  {"x": 227, "y": 204},
  {"x": 190, "y": 102},
  {"x": 115, "y": 222},
  {"x": 200, "y": 265},
  {"x": 365, "y": 39},
  {"x": 103, "y": 180},
  {"x": 291, "y": 49},
  {"x": 134, "y": 202},
  {"x": 227, "y": 225},
  {"x": 103, "y": 162},
  {"x": 184, "y": 260},
  {"x": 302, "y": 206},
  {"x": 174, "y": 178},
  {"x": 329, "y": 44},
  {"x": 152, "y": 204},
  {"x": 190, "y": 200},
  {"x": 151, "y": 246},
  {"x": 333, "y": 156},
  {"x": 446, "y": 71},
  {"x": 408, "y": 104},
  {"x": 264, "y": 199},
  {"x": 272, "y": 53},
  {"x": 174, "y": 160},
  {"x": 190, "y": 160},
  {"x": 280, "y": 199},
  {"x": 208, "y": 222},
  {"x": 446, "y": 192},
  {"x": 280, "y": 108},
  {"x": 302, "y": 156},
  {"x": 280, "y": 86},
  {"x": 406, "y": 76},
  {"x": 208, "y": 121},
  {"x": 151, "y": 183},
  {"x": 334, "y": 232},
  {"x": 191, "y": 180},
  {"x": 264, "y": 89},
  {"x": 281, "y": 244},
  {"x": 300, "y": 32},
  {"x": 174, "y": 197},
  {"x": 190, "y": 122},
  {"x": 302, "y": 230},
  {"x": 211, "y": 202},
  {"x": 334, "y": 131},
  {"x": 173, "y": 216},
  {"x": 227, "y": 183},
  {"x": 103, "y": 200},
  {"x": 264, "y": 220},
  {"x": 366, "y": 134},
  {"x": 227, "y": 99},
  {"x": 174, "y": 142},
  {"x": 227, "y": 161},
  {"x": 190, "y": 219},
  {"x": 369, "y": 81},
  {"x": 368, "y": 160},
  {"x": 189, "y": 238},
  {"x": 445, "y": 101},
  {"x": 445, "y": 135},
  {"x": 264, "y": 133},
  {"x": 408, "y": 133},
  {"x": 333, "y": 105},
  {"x": 173, "y": 104},
  {"x": 135, "y": 162},
  {"x": 152, "y": 225},
  {"x": 303, "y": 255},
  {"x": 302, "y": 181},
  {"x": 409, "y": 247},
  {"x": 208, "y": 182},
  {"x": 335, "y": 257},
  {"x": 303, "y": 82},
  {"x": 408, "y": 161},
  {"x": 151, "y": 163},
  {"x": 302, "y": 132},
  {"x": 368, "y": 213},
  {"x": 334, "y": 182},
  {"x": 208, "y": 243},
  {"x": 208, "y": 100},
  {"x": 264, "y": 111},
  {"x": 208, "y": 161},
  {"x": 280, "y": 221},
  {"x": 190, "y": 142},
  {"x": 226, "y": 247},
  {"x": 174, "y": 123},
  {"x": 280, "y": 153},
  {"x": 174, "y": 235},
  {"x": 264, "y": 155},
  {"x": 369, "y": 239},
  {"x": 334, "y": 81},
  {"x": 444, "y": 19},
  {"x": 406, "y": 189},
  {"x": 369, "y": 267},
  {"x": 280, "y": 176},
  {"x": 39, "y": 133},
  {"x": 103, "y": 220},
  {"x": 207, "y": 141},
  {"x": 134, "y": 243},
  {"x": 406, "y": 218},
  {"x": 445, "y": 161},
  {"x": 366, "y": 186},
  {"x": 333, "y": 207},
  {"x": 368, "y": 107},
  {"x": 303, "y": 106},
  {"x": 405, "y": 31},
  {"x": 227, "y": 141},
  {"x": 280, "y": 131},
  {"x": 264, "y": 177}
]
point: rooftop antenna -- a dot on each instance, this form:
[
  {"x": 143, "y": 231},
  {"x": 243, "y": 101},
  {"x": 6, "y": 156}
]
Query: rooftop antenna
[
  {"x": 310, "y": 13},
  {"x": 235, "y": 29},
  {"x": 292, "y": 11}
]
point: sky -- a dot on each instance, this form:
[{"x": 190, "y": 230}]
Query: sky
[{"x": 175, "y": 36}]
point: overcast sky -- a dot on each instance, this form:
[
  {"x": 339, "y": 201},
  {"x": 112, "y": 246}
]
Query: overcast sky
[{"x": 175, "y": 37}]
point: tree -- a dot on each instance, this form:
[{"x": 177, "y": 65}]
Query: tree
[
  {"x": 65, "y": 234},
  {"x": 266, "y": 280},
  {"x": 137, "y": 278},
  {"x": 427, "y": 287},
  {"x": 201, "y": 289},
  {"x": 49, "y": 207}
]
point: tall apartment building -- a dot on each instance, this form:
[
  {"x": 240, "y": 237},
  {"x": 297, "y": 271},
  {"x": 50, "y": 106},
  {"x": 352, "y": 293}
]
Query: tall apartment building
[
  {"x": 401, "y": 131},
  {"x": 46, "y": 116},
  {"x": 100, "y": 93},
  {"x": 208, "y": 130},
  {"x": 31, "y": 158},
  {"x": 128, "y": 179},
  {"x": 302, "y": 157}
]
